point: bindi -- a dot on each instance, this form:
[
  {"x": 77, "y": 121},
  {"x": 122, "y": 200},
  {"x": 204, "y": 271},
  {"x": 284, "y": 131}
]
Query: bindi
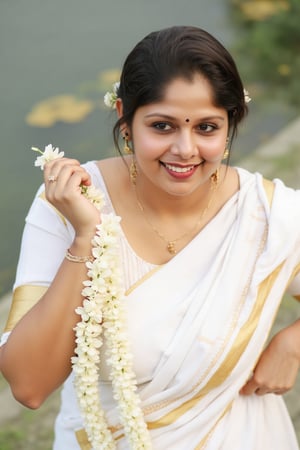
[{"x": 187, "y": 120}]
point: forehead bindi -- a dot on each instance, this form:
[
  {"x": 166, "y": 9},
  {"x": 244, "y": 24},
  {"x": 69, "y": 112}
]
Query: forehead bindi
[{"x": 187, "y": 100}]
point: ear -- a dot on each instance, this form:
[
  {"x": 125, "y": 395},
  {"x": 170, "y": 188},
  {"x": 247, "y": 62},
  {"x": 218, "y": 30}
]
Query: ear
[{"x": 119, "y": 108}]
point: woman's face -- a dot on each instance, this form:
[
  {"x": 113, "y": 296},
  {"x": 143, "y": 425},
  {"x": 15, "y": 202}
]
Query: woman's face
[{"x": 179, "y": 141}]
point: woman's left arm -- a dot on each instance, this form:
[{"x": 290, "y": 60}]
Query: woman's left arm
[{"x": 278, "y": 366}]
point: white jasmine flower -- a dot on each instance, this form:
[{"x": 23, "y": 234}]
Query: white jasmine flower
[
  {"x": 247, "y": 96},
  {"x": 94, "y": 195},
  {"x": 110, "y": 98},
  {"x": 47, "y": 155}
]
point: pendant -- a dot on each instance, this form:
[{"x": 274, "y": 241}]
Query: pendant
[{"x": 171, "y": 248}]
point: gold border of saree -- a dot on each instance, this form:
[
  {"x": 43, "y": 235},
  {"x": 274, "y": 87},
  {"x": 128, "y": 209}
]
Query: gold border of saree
[{"x": 24, "y": 298}]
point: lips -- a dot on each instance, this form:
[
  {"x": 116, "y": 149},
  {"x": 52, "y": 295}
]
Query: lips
[{"x": 179, "y": 169}]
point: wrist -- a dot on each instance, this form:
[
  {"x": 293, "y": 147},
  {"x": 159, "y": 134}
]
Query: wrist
[
  {"x": 81, "y": 246},
  {"x": 78, "y": 259}
]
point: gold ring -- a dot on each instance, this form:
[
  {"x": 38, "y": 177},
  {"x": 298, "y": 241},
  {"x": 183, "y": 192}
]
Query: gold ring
[{"x": 52, "y": 178}]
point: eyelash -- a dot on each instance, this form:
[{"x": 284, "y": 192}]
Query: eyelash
[
  {"x": 210, "y": 125},
  {"x": 158, "y": 126},
  {"x": 161, "y": 127}
]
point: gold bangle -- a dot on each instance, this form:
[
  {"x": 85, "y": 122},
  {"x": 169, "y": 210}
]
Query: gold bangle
[{"x": 78, "y": 259}]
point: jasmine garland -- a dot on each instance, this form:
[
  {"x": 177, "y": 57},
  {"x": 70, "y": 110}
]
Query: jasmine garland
[{"x": 102, "y": 314}]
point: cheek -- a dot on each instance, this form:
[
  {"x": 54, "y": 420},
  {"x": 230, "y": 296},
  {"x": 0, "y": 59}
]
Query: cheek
[
  {"x": 147, "y": 145},
  {"x": 213, "y": 150}
]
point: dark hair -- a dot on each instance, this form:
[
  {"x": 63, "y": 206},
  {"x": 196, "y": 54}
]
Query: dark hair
[{"x": 179, "y": 51}]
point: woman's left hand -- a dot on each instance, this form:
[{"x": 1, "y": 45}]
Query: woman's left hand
[{"x": 278, "y": 366}]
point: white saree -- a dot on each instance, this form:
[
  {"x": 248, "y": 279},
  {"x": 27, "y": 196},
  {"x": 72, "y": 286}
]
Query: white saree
[{"x": 197, "y": 324}]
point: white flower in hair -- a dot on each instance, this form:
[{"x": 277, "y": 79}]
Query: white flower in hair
[
  {"x": 49, "y": 154},
  {"x": 247, "y": 96},
  {"x": 110, "y": 98}
]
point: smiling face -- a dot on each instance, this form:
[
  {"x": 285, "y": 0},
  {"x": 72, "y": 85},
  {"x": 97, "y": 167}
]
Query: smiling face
[{"x": 179, "y": 142}]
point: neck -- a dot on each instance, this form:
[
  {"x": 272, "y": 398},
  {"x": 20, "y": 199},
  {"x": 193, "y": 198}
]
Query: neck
[
  {"x": 163, "y": 204},
  {"x": 185, "y": 219}
]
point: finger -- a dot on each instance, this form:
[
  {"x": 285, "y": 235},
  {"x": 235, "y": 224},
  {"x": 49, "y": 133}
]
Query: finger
[
  {"x": 265, "y": 390},
  {"x": 262, "y": 391},
  {"x": 250, "y": 387},
  {"x": 52, "y": 178},
  {"x": 67, "y": 175},
  {"x": 52, "y": 168},
  {"x": 59, "y": 162},
  {"x": 280, "y": 391},
  {"x": 73, "y": 176}
]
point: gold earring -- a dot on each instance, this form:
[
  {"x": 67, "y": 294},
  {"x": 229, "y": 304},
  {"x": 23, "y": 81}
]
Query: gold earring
[
  {"x": 127, "y": 149},
  {"x": 214, "y": 178},
  {"x": 226, "y": 151},
  {"x": 133, "y": 172}
]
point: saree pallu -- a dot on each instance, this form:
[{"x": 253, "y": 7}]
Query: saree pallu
[{"x": 198, "y": 324}]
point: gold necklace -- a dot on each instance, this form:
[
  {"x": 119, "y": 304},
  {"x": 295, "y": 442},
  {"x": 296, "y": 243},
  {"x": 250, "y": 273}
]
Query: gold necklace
[{"x": 171, "y": 243}]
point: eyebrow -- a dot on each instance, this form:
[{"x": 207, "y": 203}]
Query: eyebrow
[{"x": 166, "y": 116}]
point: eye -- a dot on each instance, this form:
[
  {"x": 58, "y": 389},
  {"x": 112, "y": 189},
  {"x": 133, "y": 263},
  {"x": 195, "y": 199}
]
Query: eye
[
  {"x": 162, "y": 126},
  {"x": 207, "y": 127}
]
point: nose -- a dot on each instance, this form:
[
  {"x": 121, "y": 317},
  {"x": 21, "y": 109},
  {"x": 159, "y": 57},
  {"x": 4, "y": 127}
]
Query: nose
[{"x": 185, "y": 144}]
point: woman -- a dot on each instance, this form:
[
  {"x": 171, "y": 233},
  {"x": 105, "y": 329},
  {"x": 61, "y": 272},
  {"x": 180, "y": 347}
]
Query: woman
[{"x": 207, "y": 253}]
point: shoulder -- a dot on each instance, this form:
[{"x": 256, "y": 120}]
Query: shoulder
[
  {"x": 107, "y": 166},
  {"x": 117, "y": 164},
  {"x": 106, "y": 170},
  {"x": 266, "y": 188},
  {"x": 281, "y": 202},
  {"x": 287, "y": 199},
  {"x": 282, "y": 205},
  {"x": 113, "y": 173}
]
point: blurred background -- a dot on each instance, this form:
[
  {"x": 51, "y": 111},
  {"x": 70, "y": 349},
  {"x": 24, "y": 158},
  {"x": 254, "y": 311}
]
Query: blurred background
[{"x": 59, "y": 58}]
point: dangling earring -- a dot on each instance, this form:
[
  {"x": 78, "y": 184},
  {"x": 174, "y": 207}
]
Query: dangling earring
[
  {"x": 127, "y": 149},
  {"x": 226, "y": 151},
  {"x": 133, "y": 172},
  {"x": 214, "y": 178}
]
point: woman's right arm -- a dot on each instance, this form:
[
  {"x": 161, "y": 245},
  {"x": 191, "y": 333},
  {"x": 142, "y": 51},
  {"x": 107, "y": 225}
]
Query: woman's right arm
[{"x": 36, "y": 359}]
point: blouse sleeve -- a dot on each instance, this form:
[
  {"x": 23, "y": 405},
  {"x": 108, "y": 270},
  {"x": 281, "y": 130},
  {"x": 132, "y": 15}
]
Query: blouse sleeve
[{"x": 46, "y": 236}]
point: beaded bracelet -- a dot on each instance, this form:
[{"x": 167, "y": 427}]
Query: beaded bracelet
[{"x": 78, "y": 259}]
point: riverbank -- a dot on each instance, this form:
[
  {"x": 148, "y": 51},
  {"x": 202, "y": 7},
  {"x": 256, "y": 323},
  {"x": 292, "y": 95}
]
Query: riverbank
[{"x": 21, "y": 429}]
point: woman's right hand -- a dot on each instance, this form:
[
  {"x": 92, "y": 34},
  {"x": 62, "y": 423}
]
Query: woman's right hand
[
  {"x": 50, "y": 323},
  {"x": 64, "y": 192}
]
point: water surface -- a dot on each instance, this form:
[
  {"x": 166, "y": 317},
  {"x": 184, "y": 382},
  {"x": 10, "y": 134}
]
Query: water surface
[{"x": 61, "y": 47}]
